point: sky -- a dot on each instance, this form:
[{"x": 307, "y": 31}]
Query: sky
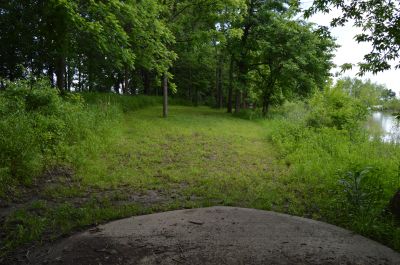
[{"x": 353, "y": 52}]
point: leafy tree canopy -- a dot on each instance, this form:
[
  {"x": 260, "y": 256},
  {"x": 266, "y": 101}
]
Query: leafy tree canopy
[{"x": 380, "y": 24}]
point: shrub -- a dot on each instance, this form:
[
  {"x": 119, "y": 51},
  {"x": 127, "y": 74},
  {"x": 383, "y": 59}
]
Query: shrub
[
  {"x": 348, "y": 178},
  {"x": 335, "y": 109},
  {"x": 249, "y": 114},
  {"x": 40, "y": 127}
]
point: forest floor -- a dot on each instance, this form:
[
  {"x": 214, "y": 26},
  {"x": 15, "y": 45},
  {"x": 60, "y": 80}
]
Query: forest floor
[{"x": 197, "y": 157}]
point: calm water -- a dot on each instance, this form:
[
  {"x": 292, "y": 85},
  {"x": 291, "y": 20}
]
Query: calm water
[{"x": 385, "y": 126}]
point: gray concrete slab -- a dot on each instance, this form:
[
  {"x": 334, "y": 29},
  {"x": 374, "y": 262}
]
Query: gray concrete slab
[{"x": 217, "y": 235}]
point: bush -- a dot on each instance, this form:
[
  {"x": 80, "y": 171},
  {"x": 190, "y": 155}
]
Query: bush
[
  {"x": 348, "y": 178},
  {"x": 40, "y": 127},
  {"x": 249, "y": 114},
  {"x": 392, "y": 105},
  {"x": 335, "y": 109}
]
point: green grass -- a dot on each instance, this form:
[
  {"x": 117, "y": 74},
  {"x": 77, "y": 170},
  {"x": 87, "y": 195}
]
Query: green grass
[
  {"x": 202, "y": 157},
  {"x": 199, "y": 151}
]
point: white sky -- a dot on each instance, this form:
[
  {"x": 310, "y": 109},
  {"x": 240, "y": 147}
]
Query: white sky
[{"x": 353, "y": 52}]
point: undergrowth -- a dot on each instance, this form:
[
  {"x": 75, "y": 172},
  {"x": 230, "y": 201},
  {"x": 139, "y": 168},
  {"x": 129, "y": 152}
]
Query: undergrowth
[{"x": 343, "y": 176}]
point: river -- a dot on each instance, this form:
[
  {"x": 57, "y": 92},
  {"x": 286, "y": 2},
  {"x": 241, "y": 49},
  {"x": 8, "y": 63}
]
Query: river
[{"x": 384, "y": 125}]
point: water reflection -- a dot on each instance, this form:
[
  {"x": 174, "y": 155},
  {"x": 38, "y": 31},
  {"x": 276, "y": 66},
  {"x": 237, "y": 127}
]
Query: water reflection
[{"x": 385, "y": 126}]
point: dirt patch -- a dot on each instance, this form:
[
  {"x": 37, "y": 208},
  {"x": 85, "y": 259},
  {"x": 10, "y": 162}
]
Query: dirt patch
[
  {"x": 91, "y": 251},
  {"x": 120, "y": 196},
  {"x": 59, "y": 175}
]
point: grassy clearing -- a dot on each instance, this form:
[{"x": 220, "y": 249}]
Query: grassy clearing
[
  {"x": 196, "y": 157},
  {"x": 201, "y": 152},
  {"x": 202, "y": 157}
]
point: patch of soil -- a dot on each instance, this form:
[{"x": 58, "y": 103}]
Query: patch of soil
[
  {"x": 90, "y": 251},
  {"x": 58, "y": 175},
  {"x": 62, "y": 176}
]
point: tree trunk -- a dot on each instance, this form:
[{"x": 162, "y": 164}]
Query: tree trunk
[
  {"x": 146, "y": 82},
  {"x": 244, "y": 98},
  {"x": 79, "y": 80},
  {"x": 165, "y": 96},
  {"x": 230, "y": 89},
  {"x": 90, "y": 76},
  {"x": 216, "y": 91},
  {"x": 265, "y": 107},
  {"x": 60, "y": 72},
  {"x": 220, "y": 90},
  {"x": 51, "y": 75},
  {"x": 238, "y": 96},
  {"x": 117, "y": 84},
  {"x": 269, "y": 91},
  {"x": 190, "y": 85},
  {"x": 266, "y": 103},
  {"x": 196, "y": 97},
  {"x": 70, "y": 76},
  {"x": 126, "y": 82}
]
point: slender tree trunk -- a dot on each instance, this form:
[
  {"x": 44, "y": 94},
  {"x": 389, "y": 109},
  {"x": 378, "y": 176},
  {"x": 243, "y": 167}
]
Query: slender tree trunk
[
  {"x": 230, "y": 89},
  {"x": 220, "y": 90},
  {"x": 265, "y": 106},
  {"x": 60, "y": 72},
  {"x": 244, "y": 98},
  {"x": 157, "y": 89},
  {"x": 117, "y": 84},
  {"x": 165, "y": 96},
  {"x": 216, "y": 93},
  {"x": 218, "y": 83},
  {"x": 126, "y": 81},
  {"x": 267, "y": 98},
  {"x": 146, "y": 82},
  {"x": 238, "y": 96},
  {"x": 90, "y": 76},
  {"x": 70, "y": 76},
  {"x": 79, "y": 80},
  {"x": 190, "y": 85},
  {"x": 196, "y": 96},
  {"x": 51, "y": 75}
]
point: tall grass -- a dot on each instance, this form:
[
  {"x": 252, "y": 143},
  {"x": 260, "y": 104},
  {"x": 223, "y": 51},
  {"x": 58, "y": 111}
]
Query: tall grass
[
  {"x": 124, "y": 103},
  {"x": 42, "y": 128},
  {"x": 339, "y": 174}
]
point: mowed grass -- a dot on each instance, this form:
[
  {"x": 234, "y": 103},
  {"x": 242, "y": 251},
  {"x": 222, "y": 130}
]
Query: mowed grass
[
  {"x": 195, "y": 152},
  {"x": 197, "y": 157}
]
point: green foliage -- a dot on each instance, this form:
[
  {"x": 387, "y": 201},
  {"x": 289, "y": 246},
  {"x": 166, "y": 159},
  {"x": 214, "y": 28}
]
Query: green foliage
[
  {"x": 332, "y": 108},
  {"x": 369, "y": 93},
  {"x": 363, "y": 189},
  {"x": 249, "y": 114},
  {"x": 102, "y": 42},
  {"x": 208, "y": 49},
  {"x": 294, "y": 61},
  {"x": 392, "y": 105},
  {"x": 39, "y": 127},
  {"x": 347, "y": 178},
  {"x": 377, "y": 19}
]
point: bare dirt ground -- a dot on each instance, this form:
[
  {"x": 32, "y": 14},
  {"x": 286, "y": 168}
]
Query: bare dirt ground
[{"x": 217, "y": 235}]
